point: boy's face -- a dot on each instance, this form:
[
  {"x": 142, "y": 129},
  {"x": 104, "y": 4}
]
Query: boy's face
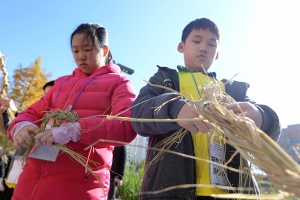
[{"x": 200, "y": 49}]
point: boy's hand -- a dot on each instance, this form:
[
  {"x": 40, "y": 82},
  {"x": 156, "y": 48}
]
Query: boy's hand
[
  {"x": 23, "y": 138},
  {"x": 189, "y": 111},
  {"x": 44, "y": 138},
  {"x": 249, "y": 110}
]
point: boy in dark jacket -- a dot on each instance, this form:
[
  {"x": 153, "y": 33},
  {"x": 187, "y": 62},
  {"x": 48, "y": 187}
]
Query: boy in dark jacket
[{"x": 200, "y": 47}]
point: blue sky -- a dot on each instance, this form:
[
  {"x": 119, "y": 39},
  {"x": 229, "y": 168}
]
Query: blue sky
[{"x": 259, "y": 40}]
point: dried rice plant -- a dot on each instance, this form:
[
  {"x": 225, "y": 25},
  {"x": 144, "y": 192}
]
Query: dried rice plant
[
  {"x": 163, "y": 146},
  {"x": 4, "y": 84},
  {"x": 254, "y": 145},
  {"x": 67, "y": 116},
  {"x": 241, "y": 132},
  {"x": 3, "y": 89},
  {"x": 5, "y": 143},
  {"x": 61, "y": 116}
]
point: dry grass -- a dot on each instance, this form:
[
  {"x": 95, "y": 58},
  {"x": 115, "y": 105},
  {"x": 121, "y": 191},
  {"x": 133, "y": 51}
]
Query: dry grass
[
  {"x": 67, "y": 116},
  {"x": 252, "y": 143},
  {"x": 61, "y": 116},
  {"x": 4, "y": 142},
  {"x": 241, "y": 132}
]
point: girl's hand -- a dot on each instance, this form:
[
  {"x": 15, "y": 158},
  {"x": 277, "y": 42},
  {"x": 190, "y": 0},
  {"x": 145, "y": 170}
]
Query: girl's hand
[
  {"x": 23, "y": 138},
  {"x": 44, "y": 138},
  {"x": 249, "y": 110},
  {"x": 60, "y": 135}
]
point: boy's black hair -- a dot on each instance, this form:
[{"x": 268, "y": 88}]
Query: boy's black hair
[
  {"x": 197, "y": 24},
  {"x": 50, "y": 83}
]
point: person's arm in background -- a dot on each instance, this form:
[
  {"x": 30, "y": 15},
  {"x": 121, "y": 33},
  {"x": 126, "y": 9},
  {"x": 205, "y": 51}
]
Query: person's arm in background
[
  {"x": 9, "y": 103},
  {"x": 27, "y": 120},
  {"x": 121, "y": 166}
]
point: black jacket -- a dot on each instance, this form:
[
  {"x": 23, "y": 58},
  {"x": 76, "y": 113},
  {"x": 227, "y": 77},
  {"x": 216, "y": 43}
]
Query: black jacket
[{"x": 172, "y": 170}]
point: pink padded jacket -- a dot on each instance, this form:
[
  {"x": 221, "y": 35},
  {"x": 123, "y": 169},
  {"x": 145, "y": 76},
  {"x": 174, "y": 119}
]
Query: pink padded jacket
[{"x": 105, "y": 92}]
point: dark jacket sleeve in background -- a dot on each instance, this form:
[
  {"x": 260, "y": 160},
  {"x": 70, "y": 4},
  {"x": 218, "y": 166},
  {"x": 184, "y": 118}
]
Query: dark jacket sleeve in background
[{"x": 119, "y": 162}]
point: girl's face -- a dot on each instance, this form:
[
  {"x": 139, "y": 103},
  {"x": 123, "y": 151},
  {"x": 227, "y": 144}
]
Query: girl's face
[{"x": 88, "y": 57}]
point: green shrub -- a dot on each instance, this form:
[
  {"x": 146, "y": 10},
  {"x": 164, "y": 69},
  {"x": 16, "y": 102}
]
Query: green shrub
[{"x": 132, "y": 180}]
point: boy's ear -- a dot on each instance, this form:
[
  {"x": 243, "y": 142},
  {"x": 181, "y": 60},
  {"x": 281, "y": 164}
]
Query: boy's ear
[
  {"x": 217, "y": 56},
  {"x": 105, "y": 50},
  {"x": 180, "y": 47}
]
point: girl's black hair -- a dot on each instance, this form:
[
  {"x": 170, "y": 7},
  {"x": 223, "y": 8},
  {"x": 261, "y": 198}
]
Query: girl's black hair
[
  {"x": 97, "y": 33},
  {"x": 50, "y": 83}
]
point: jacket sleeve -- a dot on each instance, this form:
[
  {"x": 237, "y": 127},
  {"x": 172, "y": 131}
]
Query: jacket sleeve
[
  {"x": 119, "y": 162},
  {"x": 122, "y": 165},
  {"x": 151, "y": 97},
  {"x": 271, "y": 124},
  {"x": 95, "y": 128},
  {"x": 33, "y": 113}
]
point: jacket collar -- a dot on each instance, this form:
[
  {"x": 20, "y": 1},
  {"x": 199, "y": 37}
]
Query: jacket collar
[
  {"x": 108, "y": 68},
  {"x": 184, "y": 69}
]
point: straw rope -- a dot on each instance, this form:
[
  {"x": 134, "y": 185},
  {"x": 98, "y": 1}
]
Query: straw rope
[
  {"x": 5, "y": 84},
  {"x": 5, "y": 143},
  {"x": 2, "y": 93},
  {"x": 61, "y": 116},
  {"x": 67, "y": 116}
]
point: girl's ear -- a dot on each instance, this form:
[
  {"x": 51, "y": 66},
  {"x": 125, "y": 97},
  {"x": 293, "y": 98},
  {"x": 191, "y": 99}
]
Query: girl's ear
[
  {"x": 105, "y": 50},
  {"x": 180, "y": 47}
]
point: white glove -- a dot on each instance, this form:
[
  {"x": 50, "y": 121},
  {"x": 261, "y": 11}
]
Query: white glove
[{"x": 66, "y": 132}]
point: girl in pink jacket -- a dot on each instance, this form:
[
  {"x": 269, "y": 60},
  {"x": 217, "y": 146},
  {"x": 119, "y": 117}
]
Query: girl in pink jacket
[{"x": 96, "y": 87}]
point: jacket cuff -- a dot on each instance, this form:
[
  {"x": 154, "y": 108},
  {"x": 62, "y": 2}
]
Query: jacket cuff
[
  {"x": 176, "y": 107},
  {"x": 66, "y": 132},
  {"x": 17, "y": 128},
  {"x": 265, "y": 118},
  {"x": 271, "y": 124}
]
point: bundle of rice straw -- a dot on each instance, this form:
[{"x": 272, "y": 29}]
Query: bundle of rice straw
[
  {"x": 2, "y": 92},
  {"x": 252, "y": 143},
  {"x": 4, "y": 142},
  {"x": 61, "y": 116},
  {"x": 241, "y": 133},
  {"x": 67, "y": 116}
]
